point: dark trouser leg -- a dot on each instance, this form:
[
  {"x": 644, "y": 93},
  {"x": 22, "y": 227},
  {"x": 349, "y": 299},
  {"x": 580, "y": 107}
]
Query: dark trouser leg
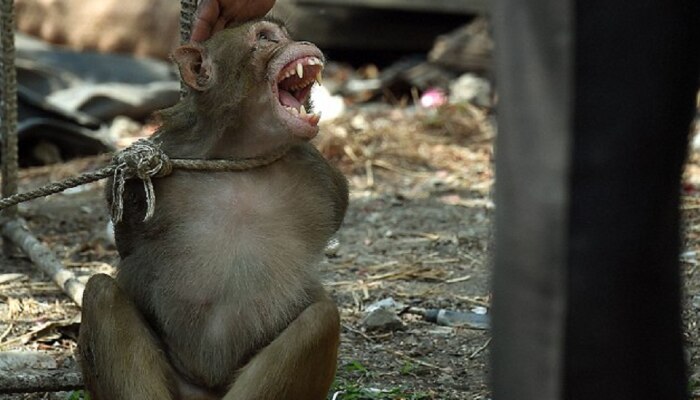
[
  {"x": 636, "y": 77},
  {"x": 533, "y": 75},
  {"x": 596, "y": 99}
]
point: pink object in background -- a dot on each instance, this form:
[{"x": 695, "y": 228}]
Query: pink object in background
[{"x": 433, "y": 97}]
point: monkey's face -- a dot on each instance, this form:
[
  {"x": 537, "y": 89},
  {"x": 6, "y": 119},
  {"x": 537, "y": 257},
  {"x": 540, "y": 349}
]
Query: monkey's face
[
  {"x": 284, "y": 72},
  {"x": 281, "y": 73},
  {"x": 256, "y": 75}
]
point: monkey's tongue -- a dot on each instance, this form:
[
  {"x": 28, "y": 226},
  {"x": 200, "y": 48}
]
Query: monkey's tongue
[
  {"x": 294, "y": 107},
  {"x": 286, "y": 99}
]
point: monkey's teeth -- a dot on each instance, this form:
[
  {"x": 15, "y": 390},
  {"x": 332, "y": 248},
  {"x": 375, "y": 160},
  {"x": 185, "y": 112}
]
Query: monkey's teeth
[
  {"x": 319, "y": 78},
  {"x": 300, "y": 70},
  {"x": 314, "y": 118},
  {"x": 311, "y": 118}
]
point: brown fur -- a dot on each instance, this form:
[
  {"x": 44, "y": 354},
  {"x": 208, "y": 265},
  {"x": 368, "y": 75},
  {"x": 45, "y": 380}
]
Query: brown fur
[{"x": 216, "y": 296}]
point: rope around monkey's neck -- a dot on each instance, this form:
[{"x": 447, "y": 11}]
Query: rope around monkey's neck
[{"x": 143, "y": 160}]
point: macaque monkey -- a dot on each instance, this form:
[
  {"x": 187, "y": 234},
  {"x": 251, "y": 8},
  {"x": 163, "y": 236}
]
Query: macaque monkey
[{"x": 216, "y": 296}]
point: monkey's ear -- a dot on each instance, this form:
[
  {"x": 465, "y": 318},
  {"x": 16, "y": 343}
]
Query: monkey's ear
[{"x": 195, "y": 66}]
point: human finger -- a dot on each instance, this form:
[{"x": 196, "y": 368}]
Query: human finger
[{"x": 206, "y": 18}]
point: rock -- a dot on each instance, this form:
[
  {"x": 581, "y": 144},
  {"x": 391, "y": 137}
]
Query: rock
[
  {"x": 332, "y": 247},
  {"x": 472, "y": 89},
  {"x": 382, "y": 320}
]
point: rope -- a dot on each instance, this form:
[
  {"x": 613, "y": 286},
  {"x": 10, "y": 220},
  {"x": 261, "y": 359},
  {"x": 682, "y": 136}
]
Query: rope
[
  {"x": 188, "y": 9},
  {"x": 9, "y": 100},
  {"x": 143, "y": 160}
]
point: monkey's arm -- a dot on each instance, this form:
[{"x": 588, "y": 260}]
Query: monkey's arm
[
  {"x": 341, "y": 193},
  {"x": 299, "y": 364},
  {"x": 334, "y": 183},
  {"x": 119, "y": 356}
]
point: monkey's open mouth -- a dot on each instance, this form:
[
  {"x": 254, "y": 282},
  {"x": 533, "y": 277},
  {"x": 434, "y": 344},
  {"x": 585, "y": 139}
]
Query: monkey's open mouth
[{"x": 294, "y": 84}]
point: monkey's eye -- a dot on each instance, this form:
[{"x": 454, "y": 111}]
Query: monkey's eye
[{"x": 266, "y": 35}]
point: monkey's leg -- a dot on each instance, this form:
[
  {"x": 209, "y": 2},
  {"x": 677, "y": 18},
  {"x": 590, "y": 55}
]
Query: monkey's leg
[
  {"x": 299, "y": 364},
  {"x": 119, "y": 356}
]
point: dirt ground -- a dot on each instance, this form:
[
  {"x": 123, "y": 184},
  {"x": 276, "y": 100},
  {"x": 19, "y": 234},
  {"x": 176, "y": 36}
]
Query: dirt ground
[{"x": 418, "y": 230}]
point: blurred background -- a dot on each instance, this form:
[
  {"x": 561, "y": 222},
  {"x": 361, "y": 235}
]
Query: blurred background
[{"x": 90, "y": 70}]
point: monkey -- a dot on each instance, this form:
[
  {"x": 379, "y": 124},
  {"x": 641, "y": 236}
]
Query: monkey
[{"x": 216, "y": 296}]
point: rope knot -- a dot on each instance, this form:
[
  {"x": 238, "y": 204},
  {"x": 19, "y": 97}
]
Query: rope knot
[{"x": 143, "y": 160}]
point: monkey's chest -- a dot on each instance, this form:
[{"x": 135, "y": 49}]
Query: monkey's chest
[
  {"x": 241, "y": 269},
  {"x": 258, "y": 217}
]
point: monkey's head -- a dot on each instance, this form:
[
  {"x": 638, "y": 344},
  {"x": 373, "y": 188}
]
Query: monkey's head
[{"x": 254, "y": 81}]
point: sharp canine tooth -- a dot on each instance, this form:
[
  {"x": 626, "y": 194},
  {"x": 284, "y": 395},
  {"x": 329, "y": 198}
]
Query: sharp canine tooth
[
  {"x": 319, "y": 79},
  {"x": 313, "y": 118},
  {"x": 300, "y": 70},
  {"x": 302, "y": 110}
]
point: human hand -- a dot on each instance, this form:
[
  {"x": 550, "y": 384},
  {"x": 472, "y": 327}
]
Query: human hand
[{"x": 213, "y": 15}]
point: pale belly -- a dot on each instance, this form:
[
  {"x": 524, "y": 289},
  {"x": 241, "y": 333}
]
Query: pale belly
[
  {"x": 240, "y": 268},
  {"x": 218, "y": 334}
]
